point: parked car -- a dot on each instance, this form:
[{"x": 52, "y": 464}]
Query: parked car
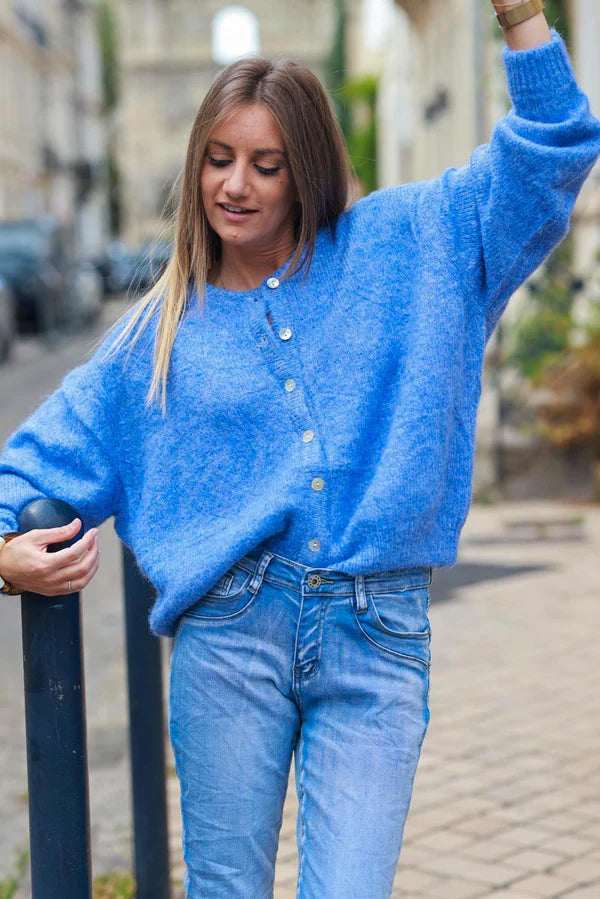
[
  {"x": 151, "y": 261},
  {"x": 86, "y": 293},
  {"x": 8, "y": 325},
  {"x": 110, "y": 264},
  {"x": 132, "y": 270},
  {"x": 32, "y": 260},
  {"x": 51, "y": 287}
]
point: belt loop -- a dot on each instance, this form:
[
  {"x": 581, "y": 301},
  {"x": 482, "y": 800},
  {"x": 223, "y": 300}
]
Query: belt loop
[
  {"x": 361, "y": 597},
  {"x": 257, "y": 577}
]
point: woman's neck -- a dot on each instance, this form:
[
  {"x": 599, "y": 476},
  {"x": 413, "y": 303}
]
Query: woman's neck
[{"x": 245, "y": 268}]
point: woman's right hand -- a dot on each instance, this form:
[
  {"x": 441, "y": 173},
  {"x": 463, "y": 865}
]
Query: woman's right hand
[{"x": 25, "y": 561}]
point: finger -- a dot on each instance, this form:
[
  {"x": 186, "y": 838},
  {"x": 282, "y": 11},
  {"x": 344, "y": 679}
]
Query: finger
[
  {"x": 47, "y": 536},
  {"x": 94, "y": 569},
  {"x": 86, "y": 578},
  {"x": 78, "y": 581},
  {"x": 70, "y": 554},
  {"x": 78, "y": 569}
]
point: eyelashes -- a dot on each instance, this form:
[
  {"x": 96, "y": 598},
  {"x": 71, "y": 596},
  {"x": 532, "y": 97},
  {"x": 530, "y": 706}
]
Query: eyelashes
[{"x": 220, "y": 163}]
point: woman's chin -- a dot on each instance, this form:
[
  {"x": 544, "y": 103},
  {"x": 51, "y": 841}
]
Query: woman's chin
[{"x": 237, "y": 237}]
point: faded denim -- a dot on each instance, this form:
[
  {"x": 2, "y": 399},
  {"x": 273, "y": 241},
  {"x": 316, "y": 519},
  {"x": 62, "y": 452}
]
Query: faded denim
[{"x": 335, "y": 670}]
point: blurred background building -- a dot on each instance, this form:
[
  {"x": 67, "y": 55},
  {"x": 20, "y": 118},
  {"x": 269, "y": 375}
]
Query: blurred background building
[
  {"x": 98, "y": 97},
  {"x": 52, "y": 131}
]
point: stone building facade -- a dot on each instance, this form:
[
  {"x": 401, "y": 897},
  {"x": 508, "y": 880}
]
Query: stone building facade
[
  {"x": 52, "y": 143},
  {"x": 167, "y": 65}
]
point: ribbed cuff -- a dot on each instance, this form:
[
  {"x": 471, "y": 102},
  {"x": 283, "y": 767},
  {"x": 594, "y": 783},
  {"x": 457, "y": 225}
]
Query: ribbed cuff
[
  {"x": 542, "y": 74},
  {"x": 7, "y": 526}
]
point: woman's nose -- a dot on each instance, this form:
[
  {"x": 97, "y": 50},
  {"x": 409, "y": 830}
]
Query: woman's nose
[{"x": 236, "y": 182}]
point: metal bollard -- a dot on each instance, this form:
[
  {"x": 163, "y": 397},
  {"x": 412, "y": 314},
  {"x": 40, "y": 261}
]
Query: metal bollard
[
  {"x": 146, "y": 736},
  {"x": 55, "y": 727}
]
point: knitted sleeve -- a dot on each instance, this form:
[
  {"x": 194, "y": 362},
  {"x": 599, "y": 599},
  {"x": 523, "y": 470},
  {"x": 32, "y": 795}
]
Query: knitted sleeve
[
  {"x": 506, "y": 210},
  {"x": 67, "y": 448}
]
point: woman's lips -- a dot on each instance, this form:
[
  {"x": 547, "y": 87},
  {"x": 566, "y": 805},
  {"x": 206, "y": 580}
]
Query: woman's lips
[{"x": 236, "y": 216}]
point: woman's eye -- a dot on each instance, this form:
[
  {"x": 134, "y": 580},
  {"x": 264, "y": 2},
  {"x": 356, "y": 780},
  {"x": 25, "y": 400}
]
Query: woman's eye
[
  {"x": 264, "y": 171},
  {"x": 219, "y": 163}
]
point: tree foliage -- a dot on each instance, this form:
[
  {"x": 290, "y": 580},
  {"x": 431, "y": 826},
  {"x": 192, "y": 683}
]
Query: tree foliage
[
  {"x": 557, "y": 14},
  {"x": 336, "y": 68},
  {"x": 566, "y": 376},
  {"x": 541, "y": 336},
  {"x": 571, "y": 415},
  {"x": 350, "y": 97},
  {"x": 107, "y": 36},
  {"x": 362, "y": 139}
]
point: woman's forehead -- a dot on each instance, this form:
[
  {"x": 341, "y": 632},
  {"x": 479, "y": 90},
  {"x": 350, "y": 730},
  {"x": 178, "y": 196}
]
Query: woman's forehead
[{"x": 248, "y": 124}]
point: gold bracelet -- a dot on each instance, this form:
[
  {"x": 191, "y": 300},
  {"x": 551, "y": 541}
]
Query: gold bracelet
[{"x": 518, "y": 14}]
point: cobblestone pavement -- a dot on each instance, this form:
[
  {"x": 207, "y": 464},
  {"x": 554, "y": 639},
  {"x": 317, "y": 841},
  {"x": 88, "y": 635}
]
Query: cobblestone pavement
[{"x": 507, "y": 795}]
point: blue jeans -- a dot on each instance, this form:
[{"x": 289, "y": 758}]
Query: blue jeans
[{"x": 278, "y": 658}]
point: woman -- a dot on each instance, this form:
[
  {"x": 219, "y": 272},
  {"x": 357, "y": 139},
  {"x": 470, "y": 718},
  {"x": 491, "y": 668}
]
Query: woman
[{"x": 322, "y": 366}]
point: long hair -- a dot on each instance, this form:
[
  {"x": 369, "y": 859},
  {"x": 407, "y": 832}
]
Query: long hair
[{"x": 320, "y": 171}]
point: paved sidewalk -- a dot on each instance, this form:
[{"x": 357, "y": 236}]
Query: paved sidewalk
[{"x": 507, "y": 795}]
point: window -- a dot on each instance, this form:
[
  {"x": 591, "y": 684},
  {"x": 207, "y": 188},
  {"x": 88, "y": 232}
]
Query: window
[{"x": 234, "y": 34}]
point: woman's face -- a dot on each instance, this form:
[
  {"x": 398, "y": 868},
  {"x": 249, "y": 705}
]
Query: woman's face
[{"x": 246, "y": 168}]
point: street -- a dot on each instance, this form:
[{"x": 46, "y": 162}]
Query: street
[{"x": 507, "y": 795}]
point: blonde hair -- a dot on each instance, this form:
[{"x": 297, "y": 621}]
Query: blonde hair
[{"x": 319, "y": 167}]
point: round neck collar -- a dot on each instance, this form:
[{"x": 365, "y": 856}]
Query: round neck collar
[
  {"x": 213, "y": 290},
  {"x": 221, "y": 294}
]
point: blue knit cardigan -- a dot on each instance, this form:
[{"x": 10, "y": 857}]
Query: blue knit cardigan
[{"x": 330, "y": 420}]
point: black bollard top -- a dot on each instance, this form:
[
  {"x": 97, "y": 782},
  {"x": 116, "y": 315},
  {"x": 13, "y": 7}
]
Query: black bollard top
[{"x": 49, "y": 513}]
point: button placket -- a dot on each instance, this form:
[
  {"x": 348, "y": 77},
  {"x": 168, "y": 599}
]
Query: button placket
[
  {"x": 285, "y": 363},
  {"x": 280, "y": 357}
]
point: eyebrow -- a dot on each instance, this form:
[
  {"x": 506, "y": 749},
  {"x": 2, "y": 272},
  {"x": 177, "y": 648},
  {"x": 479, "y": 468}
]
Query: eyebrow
[{"x": 260, "y": 152}]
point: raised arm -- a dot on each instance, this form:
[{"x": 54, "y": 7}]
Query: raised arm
[{"x": 504, "y": 212}]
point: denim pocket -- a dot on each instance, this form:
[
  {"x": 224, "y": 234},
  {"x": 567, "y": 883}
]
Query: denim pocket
[
  {"x": 229, "y": 585},
  {"x": 396, "y": 620},
  {"x": 229, "y": 596}
]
